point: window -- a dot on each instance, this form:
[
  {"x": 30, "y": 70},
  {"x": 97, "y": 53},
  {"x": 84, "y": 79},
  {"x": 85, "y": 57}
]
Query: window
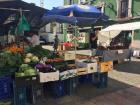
[
  {"x": 123, "y": 9},
  {"x": 71, "y": 2}
]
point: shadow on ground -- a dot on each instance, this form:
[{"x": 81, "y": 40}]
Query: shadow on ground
[{"x": 86, "y": 92}]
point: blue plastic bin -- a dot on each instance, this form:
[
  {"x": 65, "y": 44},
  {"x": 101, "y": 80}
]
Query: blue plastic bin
[
  {"x": 20, "y": 97},
  {"x": 95, "y": 80},
  {"x": 71, "y": 85},
  {"x": 5, "y": 88},
  {"x": 86, "y": 78},
  {"x": 103, "y": 80},
  {"x": 34, "y": 93},
  {"x": 58, "y": 89}
]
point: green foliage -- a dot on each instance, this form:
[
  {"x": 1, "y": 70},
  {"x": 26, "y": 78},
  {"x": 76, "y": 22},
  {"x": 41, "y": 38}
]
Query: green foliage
[
  {"x": 9, "y": 59},
  {"x": 39, "y": 51}
]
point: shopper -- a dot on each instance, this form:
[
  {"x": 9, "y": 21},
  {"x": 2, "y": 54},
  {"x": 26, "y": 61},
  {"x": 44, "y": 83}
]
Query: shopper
[{"x": 56, "y": 43}]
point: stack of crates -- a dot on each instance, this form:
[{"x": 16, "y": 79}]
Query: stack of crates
[
  {"x": 95, "y": 80},
  {"x": 71, "y": 85},
  {"x": 103, "y": 80},
  {"x": 5, "y": 88},
  {"x": 20, "y": 97},
  {"x": 34, "y": 93},
  {"x": 86, "y": 79},
  {"x": 58, "y": 89}
]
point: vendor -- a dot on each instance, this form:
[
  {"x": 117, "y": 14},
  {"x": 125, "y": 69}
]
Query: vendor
[
  {"x": 34, "y": 40},
  {"x": 93, "y": 39}
]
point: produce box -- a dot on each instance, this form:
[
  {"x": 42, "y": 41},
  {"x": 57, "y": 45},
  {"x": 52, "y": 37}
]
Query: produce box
[
  {"x": 46, "y": 77},
  {"x": 25, "y": 80},
  {"x": 69, "y": 56},
  {"x": 68, "y": 74},
  {"x": 82, "y": 71},
  {"x": 105, "y": 66},
  {"x": 91, "y": 66}
]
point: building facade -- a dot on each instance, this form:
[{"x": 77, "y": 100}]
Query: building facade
[{"x": 119, "y": 11}]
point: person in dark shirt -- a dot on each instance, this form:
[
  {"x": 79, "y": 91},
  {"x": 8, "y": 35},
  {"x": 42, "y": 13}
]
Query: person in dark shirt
[
  {"x": 93, "y": 40},
  {"x": 56, "y": 43}
]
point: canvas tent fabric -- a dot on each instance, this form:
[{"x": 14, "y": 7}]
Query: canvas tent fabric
[
  {"x": 81, "y": 15},
  {"x": 112, "y": 31},
  {"x": 123, "y": 27}
]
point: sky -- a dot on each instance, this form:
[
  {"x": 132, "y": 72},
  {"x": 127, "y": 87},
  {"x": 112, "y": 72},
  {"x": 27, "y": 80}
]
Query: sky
[{"x": 48, "y": 4}]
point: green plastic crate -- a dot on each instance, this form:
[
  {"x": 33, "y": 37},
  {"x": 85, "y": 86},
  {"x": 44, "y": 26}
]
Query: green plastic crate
[{"x": 7, "y": 71}]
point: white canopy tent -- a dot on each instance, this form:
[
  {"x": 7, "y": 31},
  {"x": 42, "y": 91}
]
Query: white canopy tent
[{"x": 112, "y": 31}]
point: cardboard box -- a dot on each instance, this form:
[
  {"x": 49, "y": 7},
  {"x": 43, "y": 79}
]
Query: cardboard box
[
  {"x": 46, "y": 77},
  {"x": 105, "y": 66}
]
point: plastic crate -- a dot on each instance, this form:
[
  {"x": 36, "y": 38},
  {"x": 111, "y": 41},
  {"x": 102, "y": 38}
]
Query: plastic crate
[
  {"x": 7, "y": 71},
  {"x": 20, "y": 97},
  {"x": 5, "y": 102},
  {"x": 34, "y": 93},
  {"x": 26, "y": 81},
  {"x": 71, "y": 85},
  {"x": 58, "y": 89},
  {"x": 103, "y": 80},
  {"x": 95, "y": 80},
  {"x": 86, "y": 78},
  {"x": 5, "y": 88}
]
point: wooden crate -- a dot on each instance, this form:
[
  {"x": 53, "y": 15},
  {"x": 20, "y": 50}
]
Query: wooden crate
[
  {"x": 105, "y": 66},
  {"x": 91, "y": 66},
  {"x": 69, "y": 56},
  {"x": 46, "y": 77},
  {"x": 82, "y": 71}
]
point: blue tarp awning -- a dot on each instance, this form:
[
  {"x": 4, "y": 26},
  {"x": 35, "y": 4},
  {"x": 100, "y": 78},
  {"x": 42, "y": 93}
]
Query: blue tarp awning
[{"x": 81, "y": 15}]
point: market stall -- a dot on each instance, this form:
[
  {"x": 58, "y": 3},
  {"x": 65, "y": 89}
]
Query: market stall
[
  {"x": 76, "y": 15},
  {"x": 122, "y": 49},
  {"x": 33, "y": 70}
]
